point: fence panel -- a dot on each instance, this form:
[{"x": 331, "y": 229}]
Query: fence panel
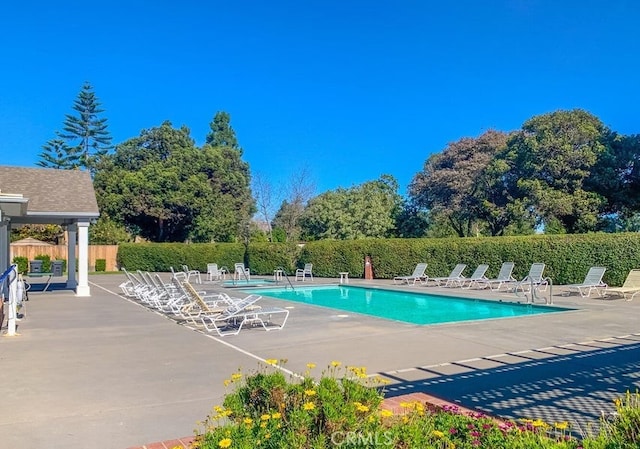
[{"x": 106, "y": 252}]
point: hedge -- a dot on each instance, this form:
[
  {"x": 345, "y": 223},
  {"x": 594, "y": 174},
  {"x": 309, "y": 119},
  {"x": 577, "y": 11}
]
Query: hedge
[{"x": 567, "y": 257}]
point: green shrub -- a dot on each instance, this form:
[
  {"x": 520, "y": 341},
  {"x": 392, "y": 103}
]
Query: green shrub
[
  {"x": 46, "y": 262},
  {"x": 22, "y": 263},
  {"x": 342, "y": 409},
  {"x": 101, "y": 265},
  {"x": 567, "y": 257}
]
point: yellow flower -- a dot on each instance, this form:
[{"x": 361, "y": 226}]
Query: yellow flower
[
  {"x": 236, "y": 376},
  {"x": 276, "y": 415},
  {"x": 225, "y": 443},
  {"x": 177, "y": 447},
  {"x": 271, "y": 361},
  {"x": 248, "y": 421},
  {"x": 263, "y": 424},
  {"x": 267, "y": 436},
  {"x": 311, "y": 365},
  {"x": 218, "y": 409},
  {"x": 539, "y": 423},
  {"x": 406, "y": 404},
  {"x": 309, "y": 392},
  {"x": 335, "y": 364},
  {"x": 227, "y": 382},
  {"x": 561, "y": 425},
  {"x": 309, "y": 406},
  {"x": 363, "y": 408},
  {"x": 438, "y": 434},
  {"x": 265, "y": 417},
  {"x": 386, "y": 413}
]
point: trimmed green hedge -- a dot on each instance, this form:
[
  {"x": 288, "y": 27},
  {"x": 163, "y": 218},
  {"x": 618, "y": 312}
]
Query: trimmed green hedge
[{"x": 567, "y": 257}]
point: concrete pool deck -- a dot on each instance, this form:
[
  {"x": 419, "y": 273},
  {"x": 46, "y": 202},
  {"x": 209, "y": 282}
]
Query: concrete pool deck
[{"x": 105, "y": 372}]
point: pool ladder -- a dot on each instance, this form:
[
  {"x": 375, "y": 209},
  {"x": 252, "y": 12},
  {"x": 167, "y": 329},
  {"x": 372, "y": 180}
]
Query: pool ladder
[
  {"x": 534, "y": 289},
  {"x": 284, "y": 273}
]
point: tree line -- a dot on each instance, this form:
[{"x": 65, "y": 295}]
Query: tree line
[{"x": 562, "y": 172}]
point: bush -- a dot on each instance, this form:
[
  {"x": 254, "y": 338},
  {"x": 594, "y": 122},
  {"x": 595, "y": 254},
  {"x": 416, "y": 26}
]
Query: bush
[
  {"x": 22, "y": 263},
  {"x": 342, "y": 409},
  {"x": 101, "y": 265},
  {"x": 46, "y": 262}
]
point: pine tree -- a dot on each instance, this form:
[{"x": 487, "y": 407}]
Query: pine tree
[
  {"x": 222, "y": 134},
  {"x": 86, "y": 132},
  {"x": 55, "y": 154}
]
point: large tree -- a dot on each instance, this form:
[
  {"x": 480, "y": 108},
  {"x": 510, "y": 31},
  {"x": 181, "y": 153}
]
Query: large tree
[
  {"x": 549, "y": 161},
  {"x": 460, "y": 185},
  {"x": 367, "y": 210},
  {"x": 163, "y": 188},
  {"x": 298, "y": 191},
  {"x": 86, "y": 132}
]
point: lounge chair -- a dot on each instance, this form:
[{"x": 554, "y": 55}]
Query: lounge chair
[
  {"x": 533, "y": 279},
  {"x": 194, "y": 273},
  {"x": 592, "y": 281},
  {"x": 477, "y": 276},
  {"x": 454, "y": 277},
  {"x": 305, "y": 272},
  {"x": 504, "y": 278},
  {"x": 241, "y": 312},
  {"x": 241, "y": 272},
  {"x": 417, "y": 275},
  {"x": 631, "y": 286}
]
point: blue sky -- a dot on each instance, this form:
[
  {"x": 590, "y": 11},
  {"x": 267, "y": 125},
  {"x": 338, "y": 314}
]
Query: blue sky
[{"x": 347, "y": 90}]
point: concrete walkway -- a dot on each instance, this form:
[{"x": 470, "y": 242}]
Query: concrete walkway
[{"x": 105, "y": 372}]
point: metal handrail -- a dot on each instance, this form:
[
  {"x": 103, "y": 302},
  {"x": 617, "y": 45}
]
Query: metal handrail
[
  {"x": 284, "y": 273},
  {"x": 535, "y": 291}
]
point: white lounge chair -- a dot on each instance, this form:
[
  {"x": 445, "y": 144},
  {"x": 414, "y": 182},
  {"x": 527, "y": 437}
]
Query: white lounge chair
[
  {"x": 305, "y": 272},
  {"x": 477, "y": 276},
  {"x": 592, "y": 281},
  {"x": 454, "y": 276},
  {"x": 533, "y": 279},
  {"x": 234, "y": 317},
  {"x": 504, "y": 277},
  {"x": 417, "y": 275},
  {"x": 194, "y": 273},
  {"x": 241, "y": 272},
  {"x": 631, "y": 286}
]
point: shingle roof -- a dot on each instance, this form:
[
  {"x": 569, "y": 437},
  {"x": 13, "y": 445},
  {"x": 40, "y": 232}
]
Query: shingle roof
[{"x": 52, "y": 191}]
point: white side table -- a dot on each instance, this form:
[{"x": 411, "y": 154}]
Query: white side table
[
  {"x": 277, "y": 275},
  {"x": 344, "y": 277}
]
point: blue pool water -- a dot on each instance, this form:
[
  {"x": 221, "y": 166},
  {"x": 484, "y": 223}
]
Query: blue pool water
[{"x": 416, "y": 308}]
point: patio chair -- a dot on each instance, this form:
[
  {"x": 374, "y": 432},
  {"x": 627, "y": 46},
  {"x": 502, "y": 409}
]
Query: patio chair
[
  {"x": 417, "y": 275},
  {"x": 454, "y": 276},
  {"x": 305, "y": 272},
  {"x": 214, "y": 273},
  {"x": 504, "y": 278},
  {"x": 592, "y": 281},
  {"x": 194, "y": 273},
  {"x": 240, "y": 271},
  {"x": 631, "y": 286},
  {"x": 477, "y": 276},
  {"x": 533, "y": 279}
]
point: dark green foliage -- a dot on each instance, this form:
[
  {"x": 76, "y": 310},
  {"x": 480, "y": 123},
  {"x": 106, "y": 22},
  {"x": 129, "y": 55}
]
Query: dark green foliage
[
  {"x": 567, "y": 257},
  {"x": 162, "y": 256},
  {"x": 265, "y": 257},
  {"x": 22, "y": 263},
  {"x": 46, "y": 262},
  {"x": 101, "y": 265}
]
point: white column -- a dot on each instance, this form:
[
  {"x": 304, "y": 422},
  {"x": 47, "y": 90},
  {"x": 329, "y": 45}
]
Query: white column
[
  {"x": 72, "y": 235},
  {"x": 83, "y": 259}
]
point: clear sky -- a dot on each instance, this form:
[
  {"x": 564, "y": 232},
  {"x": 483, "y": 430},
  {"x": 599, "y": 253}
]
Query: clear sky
[{"x": 347, "y": 89}]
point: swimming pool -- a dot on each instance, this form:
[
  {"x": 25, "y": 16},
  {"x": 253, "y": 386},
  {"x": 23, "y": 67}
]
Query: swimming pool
[{"x": 415, "y": 308}]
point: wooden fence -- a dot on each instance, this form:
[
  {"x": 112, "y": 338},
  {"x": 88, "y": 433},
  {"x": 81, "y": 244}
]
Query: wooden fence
[{"x": 106, "y": 252}]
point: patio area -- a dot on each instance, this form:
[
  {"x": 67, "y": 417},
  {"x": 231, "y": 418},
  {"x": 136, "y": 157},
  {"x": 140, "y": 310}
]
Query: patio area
[{"x": 103, "y": 371}]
